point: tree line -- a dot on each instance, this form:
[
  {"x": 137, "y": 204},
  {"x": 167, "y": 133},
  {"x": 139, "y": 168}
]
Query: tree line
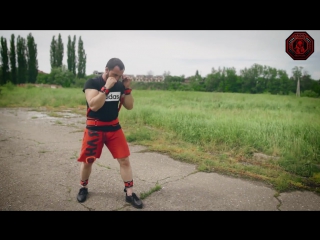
[
  {"x": 254, "y": 80},
  {"x": 19, "y": 64}
]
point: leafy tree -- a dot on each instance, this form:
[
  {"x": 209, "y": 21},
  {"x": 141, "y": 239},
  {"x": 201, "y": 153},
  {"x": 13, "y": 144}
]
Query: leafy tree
[
  {"x": 82, "y": 58},
  {"x": 74, "y": 57},
  {"x": 222, "y": 82},
  {"x": 71, "y": 55},
  {"x": 297, "y": 72},
  {"x": 306, "y": 82},
  {"x": 53, "y": 50},
  {"x": 284, "y": 82},
  {"x": 60, "y": 76},
  {"x": 56, "y": 52},
  {"x": 309, "y": 93},
  {"x": 22, "y": 60},
  {"x": 32, "y": 59},
  {"x": 231, "y": 84},
  {"x": 13, "y": 60},
  {"x": 271, "y": 81},
  {"x": 252, "y": 78},
  {"x": 5, "y": 61},
  {"x": 59, "y": 51},
  {"x": 316, "y": 87},
  {"x": 174, "y": 79},
  {"x": 209, "y": 83},
  {"x": 267, "y": 73},
  {"x": 42, "y": 78},
  {"x": 79, "y": 82},
  {"x": 212, "y": 81},
  {"x": 173, "y": 82}
]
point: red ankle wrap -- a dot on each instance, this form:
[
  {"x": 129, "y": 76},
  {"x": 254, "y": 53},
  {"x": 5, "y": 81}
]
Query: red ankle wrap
[
  {"x": 84, "y": 183},
  {"x": 128, "y": 184}
]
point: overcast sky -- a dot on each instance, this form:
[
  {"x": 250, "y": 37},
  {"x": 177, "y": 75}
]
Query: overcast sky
[{"x": 180, "y": 52}]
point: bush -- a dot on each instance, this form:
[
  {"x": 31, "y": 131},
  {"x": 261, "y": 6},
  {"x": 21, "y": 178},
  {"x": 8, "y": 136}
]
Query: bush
[
  {"x": 78, "y": 83},
  {"x": 9, "y": 85},
  {"x": 309, "y": 93}
]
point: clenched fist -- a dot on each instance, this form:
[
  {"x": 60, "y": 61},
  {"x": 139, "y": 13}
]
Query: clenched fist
[
  {"x": 126, "y": 81},
  {"x": 110, "y": 82}
]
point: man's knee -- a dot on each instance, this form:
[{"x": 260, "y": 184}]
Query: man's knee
[
  {"x": 87, "y": 160},
  {"x": 124, "y": 161},
  {"x": 86, "y": 165}
]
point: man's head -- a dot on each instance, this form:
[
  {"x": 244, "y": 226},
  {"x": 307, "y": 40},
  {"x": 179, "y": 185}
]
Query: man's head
[{"x": 114, "y": 68}]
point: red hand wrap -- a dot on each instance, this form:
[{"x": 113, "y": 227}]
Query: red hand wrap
[
  {"x": 127, "y": 91},
  {"x": 105, "y": 90}
]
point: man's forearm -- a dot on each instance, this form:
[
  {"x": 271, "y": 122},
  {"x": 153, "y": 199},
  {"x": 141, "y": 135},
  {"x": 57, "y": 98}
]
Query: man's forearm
[
  {"x": 97, "y": 101},
  {"x": 128, "y": 101}
]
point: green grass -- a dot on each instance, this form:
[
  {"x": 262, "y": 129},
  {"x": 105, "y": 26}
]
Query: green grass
[
  {"x": 219, "y": 132},
  {"x": 156, "y": 188}
]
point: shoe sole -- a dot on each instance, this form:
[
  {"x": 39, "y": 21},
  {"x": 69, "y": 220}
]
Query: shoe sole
[
  {"x": 139, "y": 207},
  {"x": 81, "y": 201}
]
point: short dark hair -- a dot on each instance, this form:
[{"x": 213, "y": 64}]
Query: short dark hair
[{"x": 113, "y": 62}]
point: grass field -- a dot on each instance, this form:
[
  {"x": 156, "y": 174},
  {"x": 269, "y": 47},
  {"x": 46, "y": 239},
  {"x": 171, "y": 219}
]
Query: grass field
[{"x": 272, "y": 138}]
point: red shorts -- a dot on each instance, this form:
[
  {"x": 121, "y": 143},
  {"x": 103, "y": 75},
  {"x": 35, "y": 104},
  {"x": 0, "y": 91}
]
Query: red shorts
[{"x": 93, "y": 142}]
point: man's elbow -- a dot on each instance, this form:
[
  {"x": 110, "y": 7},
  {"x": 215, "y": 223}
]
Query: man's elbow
[
  {"x": 93, "y": 108},
  {"x": 129, "y": 107}
]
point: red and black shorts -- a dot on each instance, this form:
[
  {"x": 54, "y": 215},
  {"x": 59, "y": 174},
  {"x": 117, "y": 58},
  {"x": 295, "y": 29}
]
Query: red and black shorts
[{"x": 93, "y": 142}]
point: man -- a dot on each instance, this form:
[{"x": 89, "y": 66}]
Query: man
[{"x": 104, "y": 96}]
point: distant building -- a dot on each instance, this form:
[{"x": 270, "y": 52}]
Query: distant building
[
  {"x": 39, "y": 71},
  {"x": 97, "y": 73},
  {"x": 148, "y": 78},
  {"x": 140, "y": 78}
]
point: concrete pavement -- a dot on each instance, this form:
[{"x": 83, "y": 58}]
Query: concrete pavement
[{"x": 40, "y": 173}]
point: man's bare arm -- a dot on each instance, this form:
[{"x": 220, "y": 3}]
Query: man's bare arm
[
  {"x": 95, "y": 99},
  {"x": 128, "y": 101}
]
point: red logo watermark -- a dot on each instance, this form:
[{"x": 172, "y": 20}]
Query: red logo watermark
[{"x": 299, "y": 45}]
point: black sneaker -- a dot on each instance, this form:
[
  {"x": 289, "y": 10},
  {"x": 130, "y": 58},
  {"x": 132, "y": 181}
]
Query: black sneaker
[
  {"x": 134, "y": 200},
  {"x": 82, "y": 195}
]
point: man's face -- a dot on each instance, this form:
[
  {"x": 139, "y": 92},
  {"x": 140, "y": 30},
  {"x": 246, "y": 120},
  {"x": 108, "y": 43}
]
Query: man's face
[{"x": 115, "y": 72}]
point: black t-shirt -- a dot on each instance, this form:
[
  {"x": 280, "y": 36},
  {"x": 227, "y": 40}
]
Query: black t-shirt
[{"x": 109, "y": 110}]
